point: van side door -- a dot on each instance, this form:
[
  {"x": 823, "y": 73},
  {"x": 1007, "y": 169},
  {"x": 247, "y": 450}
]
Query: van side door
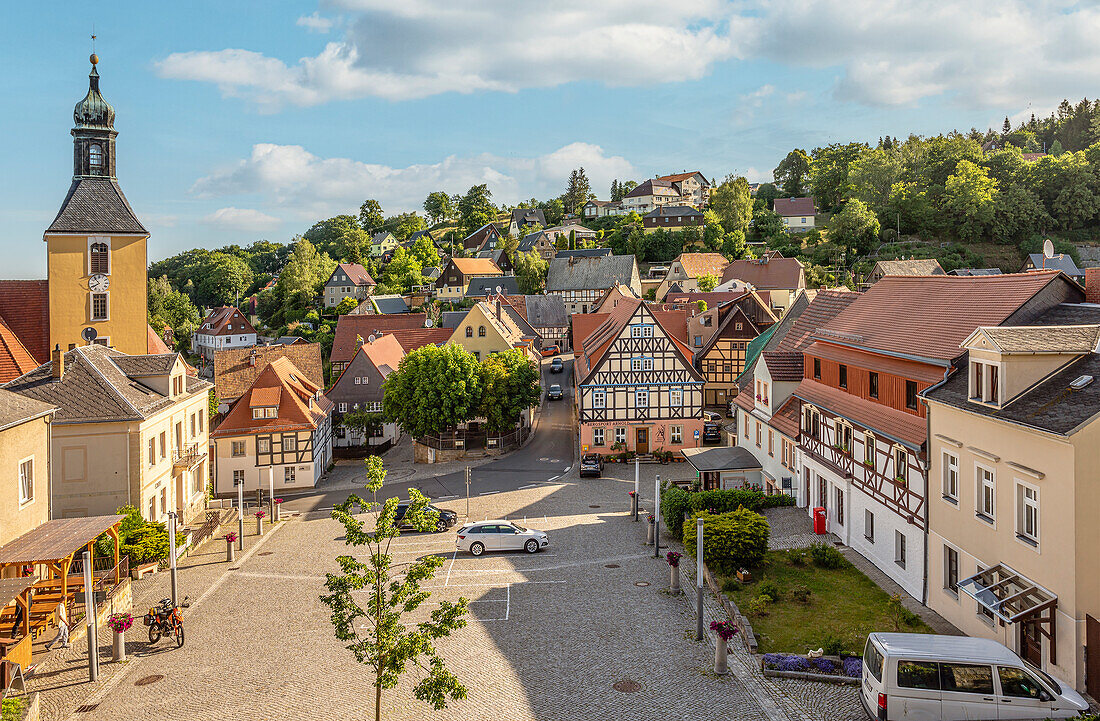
[
  {"x": 1022, "y": 696},
  {"x": 967, "y": 692},
  {"x": 918, "y": 693}
]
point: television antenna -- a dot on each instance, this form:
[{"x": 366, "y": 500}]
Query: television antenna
[{"x": 499, "y": 289}]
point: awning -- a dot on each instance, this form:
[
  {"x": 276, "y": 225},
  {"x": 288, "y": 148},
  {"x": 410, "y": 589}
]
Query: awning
[
  {"x": 726, "y": 458},
  {"x": 55, "y": 540},
  {"x": 1009, "y": 595}
]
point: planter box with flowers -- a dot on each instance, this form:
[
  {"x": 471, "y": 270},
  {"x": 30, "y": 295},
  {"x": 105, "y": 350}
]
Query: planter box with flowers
[
  {"x": 829, "y": 669},
  {"x": 119, "y": 623}
]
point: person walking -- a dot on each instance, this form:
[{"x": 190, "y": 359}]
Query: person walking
[{"x": 62, "y": 637}]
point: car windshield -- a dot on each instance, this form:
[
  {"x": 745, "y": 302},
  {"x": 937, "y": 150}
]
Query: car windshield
[
  {"x": 518, "y": 527},
  {"x": 1050, "y": 680},
  {"x": 555, "y": 387}
]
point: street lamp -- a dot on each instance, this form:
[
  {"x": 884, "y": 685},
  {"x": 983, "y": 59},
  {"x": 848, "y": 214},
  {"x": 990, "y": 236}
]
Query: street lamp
[
  {"x": 699, "y": 579},
  {"x": 657, "y": 516},
  {"x": 172, "y": 516}
]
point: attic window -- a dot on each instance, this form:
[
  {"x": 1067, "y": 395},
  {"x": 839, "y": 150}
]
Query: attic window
[{"x": 95, "y": 156}]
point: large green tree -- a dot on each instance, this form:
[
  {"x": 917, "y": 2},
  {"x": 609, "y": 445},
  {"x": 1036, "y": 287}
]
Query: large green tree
[
  {"x": 225, "y": 279},
  {"x": 425, "y": 252},
  {"x": 327, "y": 235},
  {"x": 530, "y": 269},
  {"x": 438, "y": 207},
  {"x": 970, "y": 200},
  {"x": 403, "y": 271},
  {"x": 403, "y": 225},
  {"x": 792, "y": 174},
  {"x": 371, "y": 218},
  {"x": 433, "y": 389},
  {"x": 300, "y": 282},
  {"x": 510, "y": 385},
  {"x": 732, "y": 201},
  {"x": 855, "y": 227},
  {"x": 476, "y": 208},
  {"x": 576, "y": 193},
  {"x": 872, "y": 175},
  {"x": 371, "y": 600},
  {"x": 168, "y": 306},
  {"x": 829, "y": 172}
]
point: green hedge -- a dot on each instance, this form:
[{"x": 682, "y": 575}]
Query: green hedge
[
  {"x": 675, "y": 502},
  {"x": 730, "y": 540}
]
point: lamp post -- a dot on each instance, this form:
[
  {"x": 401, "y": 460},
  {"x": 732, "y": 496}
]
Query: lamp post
[
  {"x": 657, "y": 516},
  {"x": 699, "y": 579},
  {"x": 89, "y": 615},
  {"x": 635, "y": 510},
  {"x": 172, "y": 516},
  {"x": 467, "y": 493},
  {"x": 240, "y": 515}
]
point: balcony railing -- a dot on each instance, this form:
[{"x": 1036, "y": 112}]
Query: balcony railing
[{"x": 189, "y": 456}]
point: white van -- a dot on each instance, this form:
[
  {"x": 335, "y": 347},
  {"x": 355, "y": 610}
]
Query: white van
[{"x": 927, "y": 677}]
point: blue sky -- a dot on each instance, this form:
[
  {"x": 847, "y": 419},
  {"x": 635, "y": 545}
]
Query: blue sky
[{"x": 240, "y": 121}]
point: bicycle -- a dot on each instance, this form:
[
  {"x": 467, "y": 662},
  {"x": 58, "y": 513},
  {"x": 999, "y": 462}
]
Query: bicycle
[{"x": 164, "y": 620}]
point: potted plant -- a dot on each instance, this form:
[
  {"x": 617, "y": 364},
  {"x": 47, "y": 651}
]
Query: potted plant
[
  {"x": 278, "y": 512},
  {"x": 120, "y": 623},
  {"x": 230, "y": 547},
  {"x": 743, "y": 575},
  {"x": 673, "y": 559},
  {"x": 725, "y": 631},
  {"x": 260, "y": 522}
]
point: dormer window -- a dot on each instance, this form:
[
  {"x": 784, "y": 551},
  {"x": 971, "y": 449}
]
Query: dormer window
[
  {"x": 95, "y": 156},
  {"x": 984, "y": 382}
]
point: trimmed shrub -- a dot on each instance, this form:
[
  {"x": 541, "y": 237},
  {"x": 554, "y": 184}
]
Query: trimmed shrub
[
  {"x": 768, "y": 588},
  {"x": 675, "y": 502},
  {"x": 759, "y": 605},
  {"x": 730, "y": 540},
  {"x": 731, "y": 500},
  {"x": 825, "y": 556},
  {"x": 832, "y": 646}
]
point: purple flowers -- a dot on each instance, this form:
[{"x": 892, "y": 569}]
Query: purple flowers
[
  {"x": 793, "y": 663},
  {"x": 853, "y": 666},
  {"x": 673, "y": 558},
  {"x": 823, "y": 665},
  {"x": 724, "y": 629}
]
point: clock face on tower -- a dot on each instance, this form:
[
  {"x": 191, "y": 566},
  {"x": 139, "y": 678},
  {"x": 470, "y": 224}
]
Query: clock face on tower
[{"x": 99, "y": 283}]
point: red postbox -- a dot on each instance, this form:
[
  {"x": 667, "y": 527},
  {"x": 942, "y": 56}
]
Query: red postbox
[{"x": 820, "y": 521}]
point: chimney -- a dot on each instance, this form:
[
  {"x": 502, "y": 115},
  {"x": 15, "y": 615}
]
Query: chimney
[
  {"x": 58, "y": 362},
  {"x": 1092, "y": 285},
  {"x": 252, "y": 358}
]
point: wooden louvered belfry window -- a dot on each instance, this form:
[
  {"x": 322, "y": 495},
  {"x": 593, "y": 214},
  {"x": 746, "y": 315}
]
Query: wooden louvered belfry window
[{"x": 99, "y": 262}]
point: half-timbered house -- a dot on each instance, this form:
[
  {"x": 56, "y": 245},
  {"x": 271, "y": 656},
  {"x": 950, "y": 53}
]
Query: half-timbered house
[
  {"x": 864, "y": 436},
  {"x": 719, "y": 337},
  {"x": 279, "y": 430},
  {"x": 636, "y": 388}
]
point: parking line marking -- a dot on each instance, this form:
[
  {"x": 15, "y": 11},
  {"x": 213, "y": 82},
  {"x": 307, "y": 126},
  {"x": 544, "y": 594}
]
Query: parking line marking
[
  {"x": 484, "y": 585},
  {"x": 443, "y": 498},
  {"x": 487, "y": 493},
  {"x": 508, "y": 601},
  {"x": 529, "y": 485},
  {"x": 450, "y": 567}
]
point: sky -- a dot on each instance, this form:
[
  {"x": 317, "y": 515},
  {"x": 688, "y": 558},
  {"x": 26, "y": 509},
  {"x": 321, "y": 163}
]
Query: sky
[{"x": 246, "y": 120}]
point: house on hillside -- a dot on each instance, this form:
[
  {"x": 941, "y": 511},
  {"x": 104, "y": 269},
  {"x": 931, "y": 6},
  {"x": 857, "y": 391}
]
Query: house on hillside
[
  {"x": 650, "y": 194},
  {"x": 767, "y": 414},
  {"x": 583, "y": 253},
  {"x": 975, "y": 271},
  {"x": 912, "y": 266},
  {"x": 382, "y": 243},
  {"x": 864, "y": 441},
  {"x": 693, "y": 187},
  {"x": 524, "y": 218},
  {"x": 482, "y": 286},
  {"x": 457, "y": 274},
  {"x": 487, "y": 329},
  {"x": 498, "y": 256},
  {"x": 635, "y": 386},
  {"x": 279, "y": 432},
  {"x": 236, "y": 370},
  {"x": 354, "y": 330},
  {"x": 672, "y": 217},
  {"x": 797, "y": 214},
  {"x": 783, "y": 278},
  {"x": 221, "y": 329},
  {"x": 348, "y": 280},
  {"x": 600, "y": 208},
  {"x": 719, "y": 338},
  {"x": 685, "y": 271},
  {"x": 1013, "y": 434},
  {"x": 487, "y": 237},
  {"x": 539, "y": 242},
  {"x": 128, "y": 430},
  {"x": 1060, "y": 261},
  {"x": 546, "y": 315},
  {"x": 359, "y": 389},
  {"x": 581, "y": 282}
]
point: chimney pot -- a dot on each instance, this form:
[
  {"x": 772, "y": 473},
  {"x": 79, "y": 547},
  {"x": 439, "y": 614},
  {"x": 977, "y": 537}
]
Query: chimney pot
[{"x": 58, "y": 362}]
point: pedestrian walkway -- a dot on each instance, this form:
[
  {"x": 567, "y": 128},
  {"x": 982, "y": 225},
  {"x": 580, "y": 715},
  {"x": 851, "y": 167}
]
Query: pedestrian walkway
[{"x": 62, "y": 678}]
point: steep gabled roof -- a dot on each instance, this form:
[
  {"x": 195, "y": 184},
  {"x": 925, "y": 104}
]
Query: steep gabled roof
[
  {"x": 350, "y": 327},
  {"x": 700, "y": 264},
  {"x": 25, "y": 307},
  {"x": 680, "y": 177},
  {"x": 784, "y": 360},
  {"x": 95, "y": 205},
  {"x": 356, "y": 273},
  {"x": 595, "y": 345},
  {"x": 590, "y": 273},
  {"x": 227, "y": 320},
  {"x": 771, "y": 273},
  {"x": 300, "y": 406},
  {"x": 1043, "y": 338},
  {"x": 15, "y": 359},
  {"x": 523, "y": 216},
  {"x": 385, "y": 353},
  {"x": 913, "y": 266},
  {"x": 646, "y": 187},
  {"x": 928, "y": 317},
  {"x": 793, "y": 207},
  {"x": 154, "y": 343},
  {"x": 545, "y": 311},
  {"x": 234, "y": 372},
  {"x": 16, "y": 409},
  {"x": 413, "y": 338}
]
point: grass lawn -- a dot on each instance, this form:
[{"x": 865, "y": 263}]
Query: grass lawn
[{"x": 844, "y": 604}]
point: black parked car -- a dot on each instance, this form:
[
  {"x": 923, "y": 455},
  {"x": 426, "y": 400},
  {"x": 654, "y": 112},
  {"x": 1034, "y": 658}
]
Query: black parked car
[
  {"x": 556, "y": 366},
  {"x": 591, "y": 465},
  {"x": 712, "y": 433},
  {"x": 446, "y": 518},
  {"x": 554, "y": 394}
]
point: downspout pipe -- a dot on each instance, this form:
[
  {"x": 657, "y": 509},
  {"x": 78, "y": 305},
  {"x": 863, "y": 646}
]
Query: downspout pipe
[{"x": 928, "y": 476}]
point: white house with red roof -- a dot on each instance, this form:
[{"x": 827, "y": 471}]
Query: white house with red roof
[
  {"x": 279, "y": 431},
  {"x": 797, "y": 213},
  {"x": 348, "y": 280},
  {"x": 222, "y": 328}
]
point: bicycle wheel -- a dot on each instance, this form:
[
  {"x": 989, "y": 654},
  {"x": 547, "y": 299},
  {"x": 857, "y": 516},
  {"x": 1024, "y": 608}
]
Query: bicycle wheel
[
  {"x": 154, "y": 633},
  {"x": 179, "y": 635}
]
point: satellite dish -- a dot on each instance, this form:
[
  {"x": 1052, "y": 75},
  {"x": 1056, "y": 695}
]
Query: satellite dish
[
  {"x": 370, "y": 338},
  {"x": 1048, "y": 248},
  {"x": 429, "y": 323},
  {"x": 89, "y": 334}
]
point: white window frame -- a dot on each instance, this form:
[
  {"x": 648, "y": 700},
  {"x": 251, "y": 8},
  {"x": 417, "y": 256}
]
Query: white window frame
[
  {"x": 26, "y": 498},
  {"x": 288, "y": 474},
  {"x": 342, "y": 407},
  {"x": 597, "y": 437},
  {"x": 980, "y": 484},
  {"x": 599, "y": 399},
  {"x": 355, "y": 380},
  {"x": 676, "y": 397},
  {"x": 290, "y": 443},
  {"x": 263, "y": 445},
  {"x": 1023, "y": 505},
  {"x": 641, "y": 398},
  {"x": 106, "y": 240},
  {"x": 238, "y": 476},
  {"x": 950, "y": 478},
  {"x": 676, "y": 433},
  {"x": 647, "y": 364},
  {"x": 374, "y": 407},
  {"x": 635, "y": 364},
  {"x": 620, "y": 435}
]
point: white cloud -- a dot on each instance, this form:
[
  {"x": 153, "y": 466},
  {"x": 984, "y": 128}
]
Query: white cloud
[
  {"x": 983, "y": 53},
  {"x": 291, "y": 176},
  {"x": 242, "y": 219},
  {"x": 316, "y": 23},
  {"x": 418, "y": 48}
]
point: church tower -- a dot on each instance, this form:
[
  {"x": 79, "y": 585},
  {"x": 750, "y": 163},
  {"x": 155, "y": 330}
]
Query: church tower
[{"x": 96, "y": 246}]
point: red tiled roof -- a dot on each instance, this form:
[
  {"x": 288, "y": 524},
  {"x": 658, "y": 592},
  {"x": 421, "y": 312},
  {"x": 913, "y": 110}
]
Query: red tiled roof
[
  {"x": 784, "y": 366},
  {"x": 356, "y": 273},
  {"x": 15, "y": 359},
  {"x": 583, "y": 324},
  {"x": 385, "y": 353},
  {"x": 25, "y": 307},
  {"x": 790, "y": 207},
  {"x": 823, "y": 308},
  {"x": 280, "y": 382},
  {"x": 412, "y": 338},
  {"x": 348, "y": 327},
  {"x": 881, "y": 419},
  {"x": 930, "y": 316},
  {"x": 767, "y": 274},
  {"x": 220, "y": 320},
  {"x": 156, "y": 344},
  {"x": 677, "y": 177},
  {"x": 788, "y": 418},
  {"x": 699, "y": 264}
]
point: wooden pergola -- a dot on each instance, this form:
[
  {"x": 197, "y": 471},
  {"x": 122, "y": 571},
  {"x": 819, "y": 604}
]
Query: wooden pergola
[
  {"x": 15, "y": 589},
  {"x": 54, "y": 545}
]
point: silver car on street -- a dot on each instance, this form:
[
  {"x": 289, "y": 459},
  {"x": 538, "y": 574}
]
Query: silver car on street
[{"x": 499, "y": 535}]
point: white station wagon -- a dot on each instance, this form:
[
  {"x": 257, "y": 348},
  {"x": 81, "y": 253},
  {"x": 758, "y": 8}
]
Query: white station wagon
[{"x": 499, "y": 535}]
